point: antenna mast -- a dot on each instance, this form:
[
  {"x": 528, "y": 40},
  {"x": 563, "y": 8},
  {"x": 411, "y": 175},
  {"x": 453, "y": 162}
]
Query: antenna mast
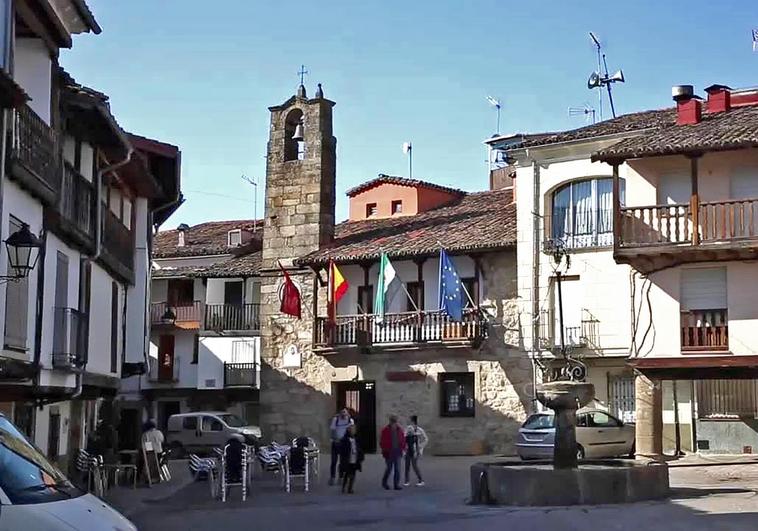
[
  {"x": 601, "y": 78},
  {"x": 254, "y": 183},
  {"x": 599, "y": 92}
]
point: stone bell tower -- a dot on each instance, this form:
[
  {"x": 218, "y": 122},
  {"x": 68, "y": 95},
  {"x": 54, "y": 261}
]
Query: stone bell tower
[{"x": 295, "y": 395}]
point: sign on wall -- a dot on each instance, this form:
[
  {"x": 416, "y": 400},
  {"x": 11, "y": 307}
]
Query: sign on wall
[{"x": 291, "y": 358}]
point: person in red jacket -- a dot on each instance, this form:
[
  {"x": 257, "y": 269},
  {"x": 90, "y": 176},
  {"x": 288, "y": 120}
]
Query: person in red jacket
[{"x": 392, "y": 443}]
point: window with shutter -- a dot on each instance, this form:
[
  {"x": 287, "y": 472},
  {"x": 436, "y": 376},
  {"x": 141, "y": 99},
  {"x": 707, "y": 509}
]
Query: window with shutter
[{"x": 16, "y": 305}]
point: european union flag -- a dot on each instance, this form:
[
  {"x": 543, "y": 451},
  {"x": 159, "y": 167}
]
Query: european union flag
[{"x": 451, "y": 291}]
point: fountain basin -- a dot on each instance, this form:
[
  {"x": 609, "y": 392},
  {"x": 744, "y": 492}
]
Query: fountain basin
[{"x": 538, "y": 484}]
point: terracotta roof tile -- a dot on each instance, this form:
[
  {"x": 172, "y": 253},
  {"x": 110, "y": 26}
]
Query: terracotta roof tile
[
  {"x": 201, "y": 240},
  {"x": 402, "y": 181},
  {"x": 483, "y": 221},
  {"x": 733, "y": 129},
  {"x": 239, "y": 266}
]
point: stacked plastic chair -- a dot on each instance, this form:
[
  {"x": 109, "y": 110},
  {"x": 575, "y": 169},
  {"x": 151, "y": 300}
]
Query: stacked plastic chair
[{"x": 234, "y": 468}]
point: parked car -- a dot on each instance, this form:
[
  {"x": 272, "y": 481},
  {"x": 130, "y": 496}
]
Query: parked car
[
  {"x": 598, "y": 435},
  {"x": 201, "y": 431},
  {"x": 36, "y": 496}
]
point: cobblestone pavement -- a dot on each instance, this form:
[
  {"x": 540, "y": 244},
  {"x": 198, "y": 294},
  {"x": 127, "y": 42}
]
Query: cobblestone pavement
[{"x": 704, "y": 497}]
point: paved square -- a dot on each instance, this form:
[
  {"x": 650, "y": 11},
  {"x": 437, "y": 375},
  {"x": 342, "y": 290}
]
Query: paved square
[{"x": 705, "y": 497}]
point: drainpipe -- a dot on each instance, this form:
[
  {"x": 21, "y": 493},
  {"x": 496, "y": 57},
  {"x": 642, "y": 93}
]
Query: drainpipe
[
  {"x": 98, "y": 234},
  {"x": 536, "y": 222}
]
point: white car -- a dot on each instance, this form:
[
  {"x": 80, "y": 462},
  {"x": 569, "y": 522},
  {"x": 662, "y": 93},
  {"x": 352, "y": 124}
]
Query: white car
[
  {"x": 36, "y": 496},
  {"x": 598, "y": 435},
  {"x": 201, "y": 431}
]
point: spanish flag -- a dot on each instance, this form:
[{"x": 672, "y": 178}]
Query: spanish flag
[{"x": 337, "y": 289}]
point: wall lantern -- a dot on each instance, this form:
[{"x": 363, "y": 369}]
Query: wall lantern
[{"x": 23, "y": 248}]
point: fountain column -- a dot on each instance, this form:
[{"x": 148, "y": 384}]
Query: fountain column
[{"x": 565, "y": 397}]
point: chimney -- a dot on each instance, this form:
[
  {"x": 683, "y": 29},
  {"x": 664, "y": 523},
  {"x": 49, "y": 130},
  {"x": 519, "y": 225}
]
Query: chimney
[
  {"x": 182, "y": 229},
  {"x": 719, "y": 98},
  {"x": 689, "y": 110}
]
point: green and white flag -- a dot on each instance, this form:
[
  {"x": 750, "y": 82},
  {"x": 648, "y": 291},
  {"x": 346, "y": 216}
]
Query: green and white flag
[{"x": 386, "y": 287}]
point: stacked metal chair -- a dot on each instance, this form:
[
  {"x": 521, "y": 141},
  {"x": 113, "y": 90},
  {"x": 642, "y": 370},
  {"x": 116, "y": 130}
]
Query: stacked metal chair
[
  {"x": 296, "y": 464},
  {"x": 312, "y": 454},
  {"x": 92, "y": 466},
  {"x": 204, "y": 468},
  {"x": 272, "y": 460},
  {"x": 234, "y": 468}
]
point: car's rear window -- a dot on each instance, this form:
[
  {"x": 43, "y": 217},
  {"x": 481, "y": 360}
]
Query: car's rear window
[{"x": 536, "y": 422}]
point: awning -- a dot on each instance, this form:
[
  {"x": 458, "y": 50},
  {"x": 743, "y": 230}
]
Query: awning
[{"x": 698, "y": 367}]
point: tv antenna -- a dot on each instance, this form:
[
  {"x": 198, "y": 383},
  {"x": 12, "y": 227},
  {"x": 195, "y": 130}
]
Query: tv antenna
[
  {"x": 601, "y": 78},
  {"x": 587, "y": 111},
  {"x": 496, "y": 104},
  {"x": 254, "y": 183},
  {"x": 408, "y": 150}
]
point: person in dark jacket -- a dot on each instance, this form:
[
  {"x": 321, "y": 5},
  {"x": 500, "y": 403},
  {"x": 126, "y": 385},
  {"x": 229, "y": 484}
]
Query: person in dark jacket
[{"x": 351, "y": 459}]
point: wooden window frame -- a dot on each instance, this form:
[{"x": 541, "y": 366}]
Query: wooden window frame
[{"x": 461, "y": 379}]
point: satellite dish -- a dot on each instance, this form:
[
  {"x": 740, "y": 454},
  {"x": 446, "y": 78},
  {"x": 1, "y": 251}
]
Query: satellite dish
[
  {"x": 594, "y": 81},
  {"x": 618, "y": 76},
  {"x": 407, "y": 147}
]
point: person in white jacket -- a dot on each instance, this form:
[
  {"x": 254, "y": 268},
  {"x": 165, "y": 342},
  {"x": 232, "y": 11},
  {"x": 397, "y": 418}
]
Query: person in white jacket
[{"x": 416, "y": 440}]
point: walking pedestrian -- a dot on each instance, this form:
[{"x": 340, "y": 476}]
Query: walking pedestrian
[
  {"x": 351, "y": 459},
  {"x": 415, "y": 441},
  {"x": 338, "y": 428},
  {"x": 392, "y": 443}
]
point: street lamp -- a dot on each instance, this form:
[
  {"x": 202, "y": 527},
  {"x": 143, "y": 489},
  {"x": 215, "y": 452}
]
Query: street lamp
[{"x": 23, "y": 248}]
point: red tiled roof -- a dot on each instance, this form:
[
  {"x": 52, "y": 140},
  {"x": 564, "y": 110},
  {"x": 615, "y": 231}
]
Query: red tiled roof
[
  {"x": 733, "y": 129},
  {"x": 239, "y": 266},
  {"x": 402, "y": 181},
  {"x": 482, "y": 221},
  {"x": 202, "y": 240}
]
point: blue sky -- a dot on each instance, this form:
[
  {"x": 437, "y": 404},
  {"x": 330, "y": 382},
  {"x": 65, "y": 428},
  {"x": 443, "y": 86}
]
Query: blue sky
[{"x": 201, "y": 75}]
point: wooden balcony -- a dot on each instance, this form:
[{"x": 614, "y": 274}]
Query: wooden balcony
[
  {"x": 655, "y": 237},
  {"x": 34, "y": 156},
  {"x": 232, "y": 317},
  {"x": 74, "y": 218},
  {"x": 704, "y": 330},
  {"x": 118, "y": 246},
  {"x": 181, "y": 315},
  {"x": 241, "y": 375},
  {"x": 70, "y": 339},
  {"x": 408, "y": 328}
]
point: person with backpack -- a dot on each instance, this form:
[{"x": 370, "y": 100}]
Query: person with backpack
[
  {"x": 415, "y": 441},
  {"x": 338, "y": 428},
  {"x": 351, "y": 459}
]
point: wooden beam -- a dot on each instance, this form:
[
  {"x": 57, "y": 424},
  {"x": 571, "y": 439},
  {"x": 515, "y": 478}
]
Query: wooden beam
[
  {"x": 616, "y": 206},
  {"x": 695, "y": 200}
]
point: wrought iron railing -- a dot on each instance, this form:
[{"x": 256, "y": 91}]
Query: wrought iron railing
[
  {"x": 400, "y": 328},
  {"x": 167, "y": 313},
  {"x": 582, "y": 336},
  {"x": 77, "y": 200},
  {"x": 704, "y": 330},
  {"x": 234, "y": 317},
  {"x": 35, "y": 145},
  {"x": 70, "y": 338},
  {"x": 240, "y": 374}
]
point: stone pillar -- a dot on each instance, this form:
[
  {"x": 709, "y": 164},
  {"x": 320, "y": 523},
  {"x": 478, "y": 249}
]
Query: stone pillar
[{"x": 649, "y": 405}]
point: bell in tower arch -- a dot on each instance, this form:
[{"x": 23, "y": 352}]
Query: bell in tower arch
[{"x": 298, "y": 134}]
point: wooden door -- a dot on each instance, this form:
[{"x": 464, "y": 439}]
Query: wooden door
[{"x": 360, "y": 399}]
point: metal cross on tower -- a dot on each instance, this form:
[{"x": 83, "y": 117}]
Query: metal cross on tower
[{"x": 302, "y": 73}]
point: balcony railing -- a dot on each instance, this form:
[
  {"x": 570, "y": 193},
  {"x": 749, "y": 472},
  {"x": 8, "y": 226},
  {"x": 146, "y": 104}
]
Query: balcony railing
[
  {"x": 70, "y": 338},
  {"x": 118, "y": 241},
  {"x": 35, "y": 147},
  {"x": 400, "y": 328},
  {"x": 704, "y": 330},
  {"x": 240, "y": 375},
  {"x": 181, "y": 312},
  {"x": 77, "y": 200},
  {"x": 232, "y": 317},
  {"x": 717, "y": 221},
  {"x": 582, "y": 336}
]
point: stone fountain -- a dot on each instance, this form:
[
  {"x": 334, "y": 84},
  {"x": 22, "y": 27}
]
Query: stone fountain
[{"x": 564, "y": 481}]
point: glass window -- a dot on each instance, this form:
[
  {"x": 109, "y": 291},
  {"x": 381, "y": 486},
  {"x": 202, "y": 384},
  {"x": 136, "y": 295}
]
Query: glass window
[
  {"x": 582, "y": 213},
  {"x": 212, "y": 424},
  {"x": 232, "y": 421},
  {"x": 189, "y": 423},
  {"x": 26, "y": 476},
  {"x": 370, "y": 210},
  {"x": 457, "y": 394},
  {"x": 397, "y": 207},
  {"x": 539, "y": 422},
  {"x": 599, "y": 419}
]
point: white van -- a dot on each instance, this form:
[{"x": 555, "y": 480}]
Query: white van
[
  {"x": 201, "y": 431},
  {"x": 36, "y": 496}
]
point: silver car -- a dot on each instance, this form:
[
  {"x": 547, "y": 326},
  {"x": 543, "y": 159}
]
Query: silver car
[
  {"x": 201, "y": 431},
  {"x": 598, "y": 435}
]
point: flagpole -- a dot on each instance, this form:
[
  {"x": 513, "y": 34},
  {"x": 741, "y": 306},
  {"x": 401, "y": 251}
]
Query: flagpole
[{"x": 415, "y": 307}]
